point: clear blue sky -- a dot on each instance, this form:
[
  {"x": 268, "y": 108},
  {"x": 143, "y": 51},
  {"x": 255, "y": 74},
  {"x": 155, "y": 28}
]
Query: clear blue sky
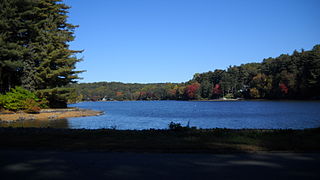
[{"x": 148, "y": 41}]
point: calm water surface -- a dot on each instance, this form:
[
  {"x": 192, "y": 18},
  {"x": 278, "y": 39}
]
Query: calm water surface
[{"x": 158, "y": 114}]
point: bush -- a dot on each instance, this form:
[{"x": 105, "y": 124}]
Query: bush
[
  {"x": 175, "y": 126},
  {"x": 229, "y": 96},
  {"x": 21, "y": 99},
  {"x": 178, "y": 127},
  {"x": 31, "y": 106}
]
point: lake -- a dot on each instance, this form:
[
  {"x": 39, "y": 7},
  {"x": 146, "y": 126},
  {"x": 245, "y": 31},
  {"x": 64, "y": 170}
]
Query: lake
[{"x": 201, "y": 114}]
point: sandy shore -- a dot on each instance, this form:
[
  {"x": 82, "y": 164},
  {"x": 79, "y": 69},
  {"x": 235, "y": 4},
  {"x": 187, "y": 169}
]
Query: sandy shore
[{"x": 49, "y": 114}]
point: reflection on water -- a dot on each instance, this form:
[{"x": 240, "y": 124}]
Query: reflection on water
[{"x": 57, "y": 123}]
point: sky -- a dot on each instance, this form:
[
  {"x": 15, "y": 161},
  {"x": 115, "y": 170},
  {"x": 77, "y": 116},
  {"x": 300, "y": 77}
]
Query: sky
[{"x": 151, "y": 41}]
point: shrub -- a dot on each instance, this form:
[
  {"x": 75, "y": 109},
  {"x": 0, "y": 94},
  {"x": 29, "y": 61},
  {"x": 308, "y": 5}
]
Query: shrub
[
  {"x": 21, "y": 99},
  {"x": 229, "y": 96},
  {"x": 175, "y": 126},
  {"x": 178, "y": 127},
  {"x": 31, "y": 106}
]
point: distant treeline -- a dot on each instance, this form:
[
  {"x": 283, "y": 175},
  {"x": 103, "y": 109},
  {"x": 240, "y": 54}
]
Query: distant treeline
[{"x": 295, "y": 76}]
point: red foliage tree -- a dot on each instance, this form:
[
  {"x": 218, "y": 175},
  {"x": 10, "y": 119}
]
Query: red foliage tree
[
  {"x": 172, "y": 92},
  {"x": 192, "y": 90},
  {"x": 119, "y": 93},
  {"x": 217, "y": 90},
  {"x": 283, "y": 88},
  {"x": 142, "y": 95}
]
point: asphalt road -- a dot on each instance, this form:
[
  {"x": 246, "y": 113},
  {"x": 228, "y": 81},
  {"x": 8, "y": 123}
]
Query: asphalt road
[{"x": 111, "y": 165}]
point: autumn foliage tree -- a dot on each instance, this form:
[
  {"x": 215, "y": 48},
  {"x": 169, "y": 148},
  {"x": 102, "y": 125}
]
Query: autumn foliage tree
[
  {"x": 192, "y": 91},
  {"x": 295, "y": 76},
  {"x": 216, "y": 91}
]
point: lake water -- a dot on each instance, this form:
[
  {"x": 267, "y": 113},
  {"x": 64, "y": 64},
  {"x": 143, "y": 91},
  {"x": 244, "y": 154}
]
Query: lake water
[{"x": 202, "y": 114}]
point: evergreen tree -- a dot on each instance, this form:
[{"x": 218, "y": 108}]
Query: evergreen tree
[
  {"x": 56, "y": 62},
  {"x": 34, "y": 50},
  {"x": 11, "y": 46}
]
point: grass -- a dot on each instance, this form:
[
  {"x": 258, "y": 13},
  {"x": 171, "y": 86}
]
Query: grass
[{"x": 168, "y": 141}]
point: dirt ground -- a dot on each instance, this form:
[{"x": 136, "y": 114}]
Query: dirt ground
[{"x": 49, "y": 114}]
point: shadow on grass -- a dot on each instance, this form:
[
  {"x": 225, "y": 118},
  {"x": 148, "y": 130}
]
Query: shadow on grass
[
  {"x": 115, "y": 165},
  {"x": 181, "y": 141}
]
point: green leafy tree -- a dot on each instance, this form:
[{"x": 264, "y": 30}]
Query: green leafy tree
[
  {"x": 206, "y": 89},
  {"x": 261, "y": 83}
]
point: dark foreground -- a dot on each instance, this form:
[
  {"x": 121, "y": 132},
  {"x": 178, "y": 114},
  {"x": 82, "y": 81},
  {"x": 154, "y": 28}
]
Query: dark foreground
[
  {"x": 181, "y": 140},
  {"x": 119, "y": 165},
  {"x": 183, "y": 153}
]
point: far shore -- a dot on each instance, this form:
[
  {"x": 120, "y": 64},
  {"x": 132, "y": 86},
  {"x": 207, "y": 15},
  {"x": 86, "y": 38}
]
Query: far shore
[
  {"x": 46, "y": 114},
  {"x": 207, "y": 100}
]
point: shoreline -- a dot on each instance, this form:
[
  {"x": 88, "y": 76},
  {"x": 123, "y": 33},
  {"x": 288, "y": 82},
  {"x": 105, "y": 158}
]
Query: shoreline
[
  {"x": 46, "y": 114},
  {"x": 211, "y": 100}
]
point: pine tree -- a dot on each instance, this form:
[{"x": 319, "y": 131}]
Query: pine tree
[
  {"x": 56, "y": 62},
  {"x": 34, "y": 51},
  {"x": 11, "y": 48}
]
